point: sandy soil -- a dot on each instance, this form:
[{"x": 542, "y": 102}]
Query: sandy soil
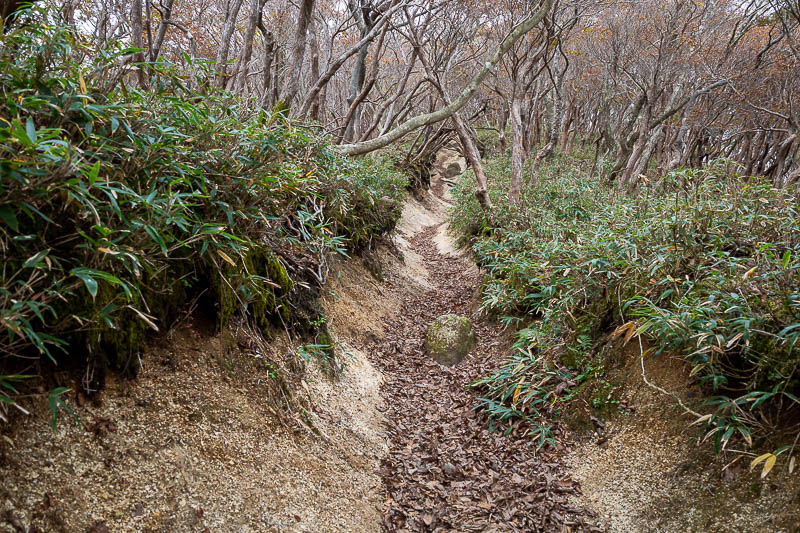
[
  {"x": 647, "y": 477},
  {"x": 193, "y": 444}
]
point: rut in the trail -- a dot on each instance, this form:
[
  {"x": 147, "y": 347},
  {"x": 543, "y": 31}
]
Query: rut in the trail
[{"x": 445, "y": 471}]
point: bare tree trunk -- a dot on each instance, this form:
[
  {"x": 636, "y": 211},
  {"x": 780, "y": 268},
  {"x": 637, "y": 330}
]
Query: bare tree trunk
[
  {"x": 339, "y": 61},
  {"x": 276, "y": 84},
  {"x": 317, "y": 107},
  {"x": 247, "y": 50},
  {"x": 298, "y": 51},
  {"x": 231, "y": 13},
  {"x": 517, "y": 151},
  {"x": 166, "y": 13},
  {"x": 640, "y": 168},
  {"x": 474, "y": 158},
  {"x": 568, "y": 119},
  {"x": 136, "y": 38},
  {"x": 356, "y": 82},
  {"x": 638, "y": 149},
  {"x": 269, "y": 52},
  {"x": 349, "y": 124},
  {"x": 502, "y": 120},
  {"x": 555, "y": 120}
]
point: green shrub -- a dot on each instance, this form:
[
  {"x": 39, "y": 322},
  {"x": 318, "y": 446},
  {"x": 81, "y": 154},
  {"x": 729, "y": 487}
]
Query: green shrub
[
  {"x": 709, "y": 270},
  {"x": 119, "y": 205}
]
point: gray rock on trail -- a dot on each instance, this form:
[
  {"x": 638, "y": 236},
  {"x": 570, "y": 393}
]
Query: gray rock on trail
[
  {"x": 453, "y": 170},
  {"x": 450, "y": 338}
]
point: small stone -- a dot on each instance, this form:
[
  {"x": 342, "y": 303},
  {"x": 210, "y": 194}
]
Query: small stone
[
  {"x": 450, "y": 338},
  {"x": 453, "y": 170}
]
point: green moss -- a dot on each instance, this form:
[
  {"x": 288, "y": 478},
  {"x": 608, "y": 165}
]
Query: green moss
[
  {"x": 450, "y": 338},
  {"x": 325, "y": 340}
]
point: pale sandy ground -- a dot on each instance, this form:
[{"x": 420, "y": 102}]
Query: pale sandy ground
[{"x": 647, "y": 477}]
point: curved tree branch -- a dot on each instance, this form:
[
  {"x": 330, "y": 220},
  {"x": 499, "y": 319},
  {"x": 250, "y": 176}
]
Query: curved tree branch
[{"x": 430, "y": 118}]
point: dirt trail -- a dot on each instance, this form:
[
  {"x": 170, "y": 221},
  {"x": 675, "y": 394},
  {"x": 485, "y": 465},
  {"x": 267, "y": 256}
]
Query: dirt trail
[{"x": 445, "y": 471}]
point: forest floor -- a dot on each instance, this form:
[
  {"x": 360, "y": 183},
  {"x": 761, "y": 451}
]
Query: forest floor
[{"x": 392, "y": 443}]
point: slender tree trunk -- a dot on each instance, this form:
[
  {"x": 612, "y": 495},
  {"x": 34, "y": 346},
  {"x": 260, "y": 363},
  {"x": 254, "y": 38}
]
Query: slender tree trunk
[
  {"x": 166, "y": 13},
  {"x": 517, "y": 151},
  {"x": 269, "y": 52},
  {"x": 555, "y": 121},
  {"x": 474, "y": 158},
  {"x": 359, "y": 70},
  {"x": 256, "y": 7},
  {"x": 136, "y": 38},
  {"x": 276, "y": 84},
  {"x": 339, "y": 61},
  {"x": 298, "y": 51},
  {"x": 231, "y": 14},
  {"x": 317, "y": 107},
  {"x": 568, "y": 119},
  {"x": 349, "y": 123},
  {"x": 502, "y": 120}
]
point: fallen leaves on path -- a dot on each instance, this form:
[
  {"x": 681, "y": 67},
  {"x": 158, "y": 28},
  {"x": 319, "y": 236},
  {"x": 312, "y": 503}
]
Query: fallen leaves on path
[{"x": 445, "y": 470}]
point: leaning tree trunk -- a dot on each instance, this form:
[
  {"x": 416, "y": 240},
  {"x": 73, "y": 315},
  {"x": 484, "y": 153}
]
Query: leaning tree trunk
[
  {"x": 474, "y": 158},
  {"x": 166, "y": 14}
]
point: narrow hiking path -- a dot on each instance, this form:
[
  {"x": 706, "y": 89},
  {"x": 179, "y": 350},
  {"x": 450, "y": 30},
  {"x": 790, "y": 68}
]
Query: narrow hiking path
[{"x": 444, "y": 470}]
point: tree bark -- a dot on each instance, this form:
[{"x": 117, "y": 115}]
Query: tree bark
[
  {"x": 318, "y": 105},
  {"x": 166, "y": 13},
  {"x": 232, "y": 12},
  {"x": 298, "y": 51},
  {"x": 269, "y": 52},
  {"x": 474, "y": 158},
  {"x": 349, "y": 124},
  {"x": 247, "y": 51},
  {"x": 517, "y": 151},
  {"x": 136, "y": 38},
  {"x": 336, "y": 65}
]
